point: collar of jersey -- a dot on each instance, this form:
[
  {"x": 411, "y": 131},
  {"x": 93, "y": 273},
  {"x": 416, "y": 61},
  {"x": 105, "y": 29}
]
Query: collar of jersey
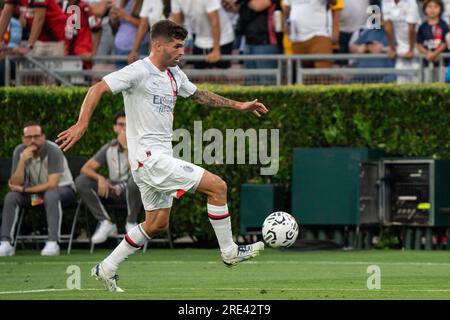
[{"x": 151, "y": 67}]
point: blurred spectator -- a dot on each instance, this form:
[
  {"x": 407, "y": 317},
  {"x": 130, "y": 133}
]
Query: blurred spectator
[
  {"x": 46, "y": 23},
  {"x": 125, "y": 18},
  {"x": 446, "y": 13},
  {"x": 152, "y": 11},
  {"x": 212, "y": 28},
  {"x": 8, "y": 42},
  {"x": 119, "y": 187},
  {"x": 79, "y": 41},
  {"x": 336, "y": 10},
  {"x": 432, "y": 33},
  {"x": 40, "y": 176},
  {"x": 309, "y": 25},
  {"x": 103, "y": 38},
  {"x": 257, "y": 24},
  {"x": 353, "y": 16},
  {"x": 371, "y": 41},
  {"x": 431, "y": 37},
  {"x": 400, "y": 20}
]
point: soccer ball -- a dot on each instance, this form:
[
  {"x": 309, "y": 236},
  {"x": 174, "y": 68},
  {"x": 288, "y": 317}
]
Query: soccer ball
[{"x": 280, "y": 230}]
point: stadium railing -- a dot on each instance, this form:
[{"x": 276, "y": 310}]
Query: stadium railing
[{"x": 68, "y": 71}]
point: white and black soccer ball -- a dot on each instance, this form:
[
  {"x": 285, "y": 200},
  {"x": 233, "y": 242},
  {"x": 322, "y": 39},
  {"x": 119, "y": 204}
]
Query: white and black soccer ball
[{"x": 280, "y": 229}]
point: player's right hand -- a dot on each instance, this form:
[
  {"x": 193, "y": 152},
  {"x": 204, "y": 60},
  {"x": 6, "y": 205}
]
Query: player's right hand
[{"x": 71, "y": 136}]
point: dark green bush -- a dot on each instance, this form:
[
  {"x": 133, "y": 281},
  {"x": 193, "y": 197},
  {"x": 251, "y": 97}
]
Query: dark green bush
[{"x": 408, "y": 120}]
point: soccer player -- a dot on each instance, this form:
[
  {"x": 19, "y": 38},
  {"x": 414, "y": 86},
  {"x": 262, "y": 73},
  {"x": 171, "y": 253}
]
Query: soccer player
[{"x": 150, "y": 87}]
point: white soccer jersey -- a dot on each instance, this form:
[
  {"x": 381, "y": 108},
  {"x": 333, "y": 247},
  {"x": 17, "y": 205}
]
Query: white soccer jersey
[
  {"x": 149, "y": 97},
  {"x": 401, "y": 14},
  {"x": 196, "y": 11},
  {"x": 153, "y": 10}
]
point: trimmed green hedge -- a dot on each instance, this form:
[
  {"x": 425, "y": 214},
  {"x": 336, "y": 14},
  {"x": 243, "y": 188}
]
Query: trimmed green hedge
[{"x": 407, "y": 120}]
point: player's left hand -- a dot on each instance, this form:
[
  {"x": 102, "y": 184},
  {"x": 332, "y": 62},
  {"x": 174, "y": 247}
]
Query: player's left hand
[
  {"x": 257, "y": 108},
  {"x": 71, "y": 136}
]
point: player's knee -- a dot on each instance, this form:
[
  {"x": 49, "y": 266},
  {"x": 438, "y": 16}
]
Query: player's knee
[
  {"x": 156, "y": 227},
  {"x": 162, "y": 227},
  {"x": 220, "y": 187}
]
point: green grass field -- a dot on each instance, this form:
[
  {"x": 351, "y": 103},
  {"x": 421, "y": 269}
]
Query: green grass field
[{"x": 199, "y": 274}]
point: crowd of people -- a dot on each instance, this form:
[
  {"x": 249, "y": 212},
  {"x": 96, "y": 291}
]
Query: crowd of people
[{"x": 86, "y": 28}]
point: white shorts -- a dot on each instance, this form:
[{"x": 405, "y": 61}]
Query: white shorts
[{"x": 161, "y": 177}]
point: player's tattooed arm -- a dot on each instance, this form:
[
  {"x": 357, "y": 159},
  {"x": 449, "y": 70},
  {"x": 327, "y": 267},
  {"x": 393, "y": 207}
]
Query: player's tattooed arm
[{"x": 209, "y": 98}]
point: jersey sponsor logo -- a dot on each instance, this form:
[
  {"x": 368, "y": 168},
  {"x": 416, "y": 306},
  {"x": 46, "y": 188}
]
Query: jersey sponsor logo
[
  {"x": 164, "y": 104},
  {"x": 188, "y": 168}
]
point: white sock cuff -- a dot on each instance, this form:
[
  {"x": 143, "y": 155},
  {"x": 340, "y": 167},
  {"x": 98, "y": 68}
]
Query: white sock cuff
[
  {"x": 136, "y": 237},
  {"x": 218, "y": 212}
]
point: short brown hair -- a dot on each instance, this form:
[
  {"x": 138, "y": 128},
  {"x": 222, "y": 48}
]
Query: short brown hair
[
  {"x": 438, "y": 2},
  {"x": 169, "y": 30},
  {"x": 32, "y": 124}
]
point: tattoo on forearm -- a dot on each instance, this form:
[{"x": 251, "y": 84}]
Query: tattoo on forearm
[{"x": 214, "y": 100}]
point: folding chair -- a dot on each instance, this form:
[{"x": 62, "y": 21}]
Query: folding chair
[{"x": 75, "y": 163}]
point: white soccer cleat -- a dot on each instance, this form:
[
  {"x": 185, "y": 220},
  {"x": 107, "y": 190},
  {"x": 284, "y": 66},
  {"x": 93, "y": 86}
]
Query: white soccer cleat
[
  {"x": 6, "y": 249},
  {"x": 106, "y": 229},
  {"x": 110, "y": 281},
  {"x": 242, "y": 253},
  {"x": 51, "y": 248}
]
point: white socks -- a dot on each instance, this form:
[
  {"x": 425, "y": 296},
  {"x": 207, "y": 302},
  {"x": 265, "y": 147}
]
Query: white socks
[
  {"x": 133, "y": 241},
  {"x": 221, "y": 222}
]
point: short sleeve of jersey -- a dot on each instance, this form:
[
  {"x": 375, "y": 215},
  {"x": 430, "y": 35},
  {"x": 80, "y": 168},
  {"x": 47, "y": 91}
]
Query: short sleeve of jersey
[
  {"x": 187, "y": 88},
  {"x": 100, "y": 156},
  {"x": 152, "y": 10},
  {"x": 39, "y": 3},
  {"x": 145, "y": 9},
  {"x": 420, "y": 37},
  {"x": 445, "y": 28},
  {"x": 123, "y": 79},
  {"x": 55, "y": 159},
  {"x": 211, "y": 5},
  {"x": 413, "y": 16},
  {"x": 175, "y": 6}
]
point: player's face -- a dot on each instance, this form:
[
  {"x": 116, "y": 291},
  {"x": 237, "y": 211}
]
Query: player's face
[
  {"x": 173, "y": 51},
  {"x": 33, "y": 136}
]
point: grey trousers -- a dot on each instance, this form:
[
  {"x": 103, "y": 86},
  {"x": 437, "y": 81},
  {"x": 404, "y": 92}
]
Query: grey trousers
[
  {"x": 54, "y": 201},
  {"x": 87, "y": 189}
]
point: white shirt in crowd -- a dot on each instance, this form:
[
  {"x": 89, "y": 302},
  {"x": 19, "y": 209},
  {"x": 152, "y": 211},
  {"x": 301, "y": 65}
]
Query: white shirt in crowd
[
  {"x": 153, "y": 10},
  {"x": 354, "y": 15},
  {"x": 446, "y": 14},
  {"x": 149, "y": 97},
  {"x": 196, "y": 11},
  {"x": 309, "y": 18},
  {"x": 402, "y": 14}
]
